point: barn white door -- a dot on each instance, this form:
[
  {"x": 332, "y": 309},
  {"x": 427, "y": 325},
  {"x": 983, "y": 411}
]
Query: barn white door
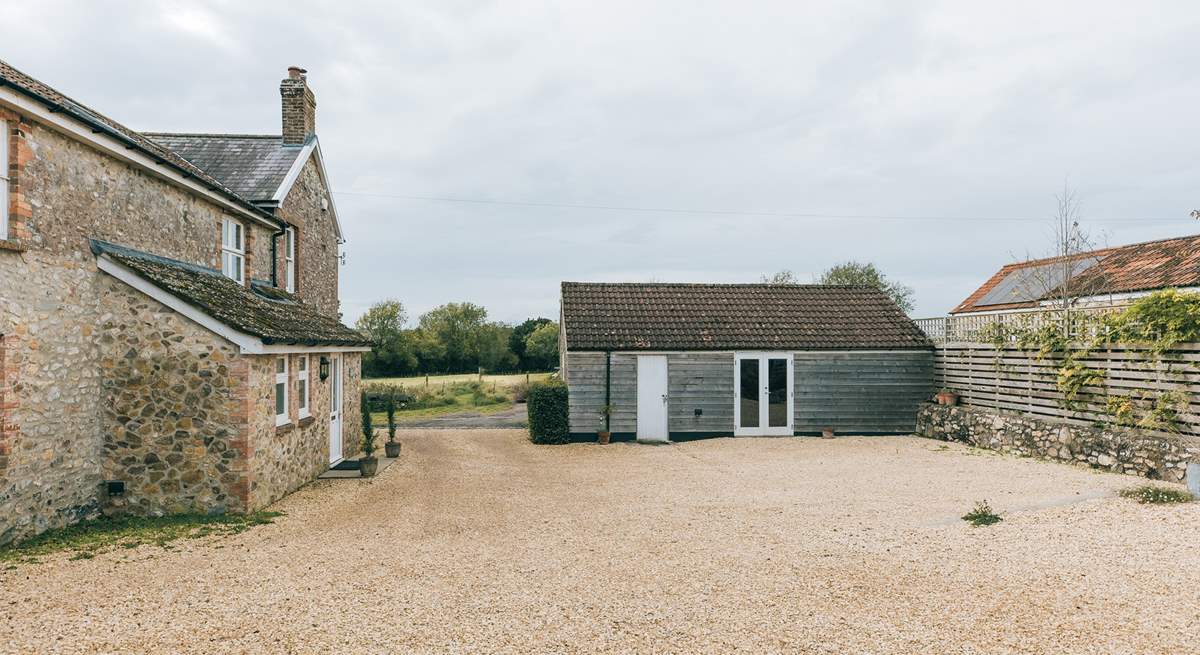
[
  {"x": 335, "y": 409},
  {"x": 763, "y": 394},
  {"x": 652, "y": 398}
]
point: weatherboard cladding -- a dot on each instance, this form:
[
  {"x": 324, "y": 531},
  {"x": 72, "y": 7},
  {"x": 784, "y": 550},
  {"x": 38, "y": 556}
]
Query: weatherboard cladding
[
  {"x": 254, "y": 166},
  {"x": 273, "y": 316},
  {"x": 680, "y": 317}
]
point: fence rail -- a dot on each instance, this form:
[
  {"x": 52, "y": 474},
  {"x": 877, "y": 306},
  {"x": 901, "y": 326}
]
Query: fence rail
[
  {"x": 1018, "y": 380},
  {"x": 972, "y": 327}
]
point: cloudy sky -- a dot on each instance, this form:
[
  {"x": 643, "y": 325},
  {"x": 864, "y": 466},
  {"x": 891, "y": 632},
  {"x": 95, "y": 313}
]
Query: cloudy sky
[{"x": 484, "y": 151}]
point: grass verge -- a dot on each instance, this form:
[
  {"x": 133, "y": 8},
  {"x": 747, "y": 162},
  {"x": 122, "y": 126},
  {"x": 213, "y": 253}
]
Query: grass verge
[
  {"x": 1151, "y": 494},
  {"x": 87, "y": 539}
]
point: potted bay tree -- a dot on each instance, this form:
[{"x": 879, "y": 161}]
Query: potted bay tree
[
  {"x": 392, "y": 447},
  {"x": 368, "y": 464}
]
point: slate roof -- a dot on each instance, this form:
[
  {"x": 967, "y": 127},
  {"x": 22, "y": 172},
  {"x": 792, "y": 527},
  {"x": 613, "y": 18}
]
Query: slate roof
[
  {"x": 253, "y": 165},
  {"x": 43, "y": 93},
  {"x": 1123, "y": 269},
  {"x": 655, "y": 316},
  {"x": 275, "y": 317}
]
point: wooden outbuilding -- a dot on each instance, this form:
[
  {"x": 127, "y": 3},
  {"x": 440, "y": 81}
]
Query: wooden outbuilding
[{"x": 658, "y": 362}]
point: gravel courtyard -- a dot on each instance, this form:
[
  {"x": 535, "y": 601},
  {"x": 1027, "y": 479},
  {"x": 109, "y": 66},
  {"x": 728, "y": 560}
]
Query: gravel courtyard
[{"x": 478, "y": 541}]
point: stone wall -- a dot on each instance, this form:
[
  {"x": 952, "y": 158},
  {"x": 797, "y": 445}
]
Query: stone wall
[
  {"x": 171, "y": 391},
  {"x": 1120, "y": 450},
  {"x": 308, "y": 208}
]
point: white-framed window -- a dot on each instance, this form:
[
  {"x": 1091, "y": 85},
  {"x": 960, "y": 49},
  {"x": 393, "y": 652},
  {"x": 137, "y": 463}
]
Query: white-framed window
[
  {"x": 233, "y": 250},
  {"x": 4, "y": 180},
  {"x": 281, "y": 391},
  {"x": 302, "y": 385},
  {"x": 289, "y": 258}
]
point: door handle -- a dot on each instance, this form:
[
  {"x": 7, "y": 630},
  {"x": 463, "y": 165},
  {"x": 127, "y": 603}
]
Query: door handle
[{"x": 664, "y": 397}]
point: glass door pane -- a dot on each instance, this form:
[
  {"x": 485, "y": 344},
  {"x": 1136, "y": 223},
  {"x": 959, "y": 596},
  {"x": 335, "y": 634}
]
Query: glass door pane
[
  {"x": 777, "y": 391},
  {"x": 748, "y": 372}
]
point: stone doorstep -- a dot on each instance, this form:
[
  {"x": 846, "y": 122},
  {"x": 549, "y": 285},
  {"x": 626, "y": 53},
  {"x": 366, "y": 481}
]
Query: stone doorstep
[{"x": 331, "y": 474}]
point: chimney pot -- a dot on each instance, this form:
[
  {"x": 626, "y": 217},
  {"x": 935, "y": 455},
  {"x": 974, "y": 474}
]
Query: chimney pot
[{"x": 295, "y": 72}]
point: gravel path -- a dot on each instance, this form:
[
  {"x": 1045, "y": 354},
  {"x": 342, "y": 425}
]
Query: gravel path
[{"x": 480, "y": 542}]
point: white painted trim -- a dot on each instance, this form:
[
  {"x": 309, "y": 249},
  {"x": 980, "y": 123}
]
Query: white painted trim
[
  {"x": 286, "y": 416},
  {"x": 75, "y": 128},
  {"x": 313, "y": 146},
  {"x": 249, "y": 345}
]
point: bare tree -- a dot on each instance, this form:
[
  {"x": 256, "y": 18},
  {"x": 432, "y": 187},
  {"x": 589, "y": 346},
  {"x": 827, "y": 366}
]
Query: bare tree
[{"x": 1071, "y": 274}]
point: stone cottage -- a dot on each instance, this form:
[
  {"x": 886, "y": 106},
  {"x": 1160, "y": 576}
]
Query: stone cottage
[{"x": 170, "y": 336}]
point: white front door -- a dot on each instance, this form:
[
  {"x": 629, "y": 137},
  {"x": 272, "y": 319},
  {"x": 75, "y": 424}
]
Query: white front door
[
  {"x": 335, "y": 409},
  {"x": 763, "y": 394},
  {"x": 652, "y": 398}
]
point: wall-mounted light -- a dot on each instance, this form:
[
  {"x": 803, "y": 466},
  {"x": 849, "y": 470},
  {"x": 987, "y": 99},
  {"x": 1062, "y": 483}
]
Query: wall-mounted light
[{"x": 324, "y": 368}]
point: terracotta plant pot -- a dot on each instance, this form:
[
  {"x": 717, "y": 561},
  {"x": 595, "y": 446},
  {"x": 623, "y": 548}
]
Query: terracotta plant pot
[
  {"x": 392, "y": 448},
  {"x": 947, "y": 398},
  {"x": 603, "y": 437},
  {"x": 827, "y": 433},
  {"x": 369, "y": 465}
]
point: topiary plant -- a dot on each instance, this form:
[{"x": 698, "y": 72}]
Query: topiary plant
[{"x": 368, "y": 430}]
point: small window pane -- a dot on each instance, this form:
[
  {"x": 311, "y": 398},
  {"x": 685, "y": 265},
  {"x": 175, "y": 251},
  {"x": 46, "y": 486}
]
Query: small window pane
[
  {"x": 302, "y": 392},
  {"x": 280, "y": 365},
  {"x": 280, "y": 399},
  {"x": 303, "y": 363}
]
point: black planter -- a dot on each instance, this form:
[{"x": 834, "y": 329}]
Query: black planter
[
  {"x": 392, "y": 448},
  {"x": 368, "y": 466}
]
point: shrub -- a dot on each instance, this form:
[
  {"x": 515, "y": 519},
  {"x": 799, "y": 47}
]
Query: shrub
[
  {"x": 1156, "y": 494},
  {"x": 519, "y": 391},
  {"x": 391, "y": 418},
  {"x": 368, "y": 430},
  {"x": 547, "y": 405},
  {"x": 982, "y": 514}
]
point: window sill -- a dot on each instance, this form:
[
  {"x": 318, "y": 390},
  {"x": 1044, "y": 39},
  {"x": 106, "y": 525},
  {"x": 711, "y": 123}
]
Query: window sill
[
  {"x": 12, "y": 246},
  {"x": 284, "y": 427},
  {"x": 306, "y": 421}
]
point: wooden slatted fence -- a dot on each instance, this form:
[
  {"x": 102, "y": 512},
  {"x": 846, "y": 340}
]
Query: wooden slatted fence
[{"x": 1018, "y": 380}]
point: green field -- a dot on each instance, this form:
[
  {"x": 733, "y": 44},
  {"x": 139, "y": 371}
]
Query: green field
[{"x": 437, "y": 380}]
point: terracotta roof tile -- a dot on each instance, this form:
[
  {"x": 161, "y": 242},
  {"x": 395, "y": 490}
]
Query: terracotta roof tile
[
  {"x": 1123, "y": 269},
  {"x": 653, "y": 316}
]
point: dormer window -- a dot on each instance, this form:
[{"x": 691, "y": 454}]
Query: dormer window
[
  {"x": 233, "y": 250},
  {"x": 289, "y": 258}
]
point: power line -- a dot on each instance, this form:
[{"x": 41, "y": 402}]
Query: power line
[{"x": 724, "y": 212}]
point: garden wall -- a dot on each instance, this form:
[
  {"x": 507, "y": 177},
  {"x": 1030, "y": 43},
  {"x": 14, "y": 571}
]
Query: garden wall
[{"x": 1121, "y": 450}]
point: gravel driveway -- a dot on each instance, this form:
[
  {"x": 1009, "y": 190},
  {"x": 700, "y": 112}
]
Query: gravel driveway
[{"x": 480, "y": 542}]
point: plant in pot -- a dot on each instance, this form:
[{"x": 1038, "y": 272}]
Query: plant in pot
[
  {"x": 368, "y": 464},
  {"x": 602, "y": 434},
  {"x": 392, "y": 447},
  {"x": 946, "y": 397}
]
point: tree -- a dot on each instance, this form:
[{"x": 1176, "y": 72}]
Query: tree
[
  {"x": 492, "y": 344},
  {"x": 541, "y": 346},
  {"x": 782, "y": 277},
  {"x": 457, "y": 327},
  {"x": 516, "y": 341},
  {"x": 855, "y": 273},
  {"x": 391, "y": 353}
]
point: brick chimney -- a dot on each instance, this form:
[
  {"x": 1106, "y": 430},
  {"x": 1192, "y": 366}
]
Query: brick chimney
[{"x": 299, "y": 107}]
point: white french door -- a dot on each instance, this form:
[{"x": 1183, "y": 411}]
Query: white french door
[
  {"x": 763, "y": 387},
  {"x": 335, "y": 409}
]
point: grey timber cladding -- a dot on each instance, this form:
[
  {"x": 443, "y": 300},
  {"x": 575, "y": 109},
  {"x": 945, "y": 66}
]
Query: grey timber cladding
[{"x": 857, "y": 392}]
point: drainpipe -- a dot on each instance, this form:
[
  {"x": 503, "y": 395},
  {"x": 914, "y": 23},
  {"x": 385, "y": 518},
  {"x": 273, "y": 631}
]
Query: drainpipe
[{"x": 608, "y": 390}]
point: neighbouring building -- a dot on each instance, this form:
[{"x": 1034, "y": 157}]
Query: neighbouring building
[
  {"x": 170, "y": 336},
  {"x": 1109, "y": 276},
  {"x": 684, "y": 361}
]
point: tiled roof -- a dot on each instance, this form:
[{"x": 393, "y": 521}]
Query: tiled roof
[
  {"x": 1123, "y": 269},
  {"x": 273, "y": 316},
  {"x": 254, "y": 166},
  {"x": 43, "y": 93},
  {"x": 651, "y": 316}
]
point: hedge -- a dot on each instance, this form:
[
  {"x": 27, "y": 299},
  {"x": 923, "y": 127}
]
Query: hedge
[{"x": 547, "y": 405}]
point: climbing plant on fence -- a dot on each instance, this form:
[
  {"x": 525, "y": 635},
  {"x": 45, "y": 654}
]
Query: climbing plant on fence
[{"x": 1138, "y": 345}]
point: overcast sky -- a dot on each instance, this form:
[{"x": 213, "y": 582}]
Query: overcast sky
[{"x": 751, "y": 113}]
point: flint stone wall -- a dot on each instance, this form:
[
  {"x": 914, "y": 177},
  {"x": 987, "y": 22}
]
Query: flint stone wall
[{"x": 1120, "y": 450}]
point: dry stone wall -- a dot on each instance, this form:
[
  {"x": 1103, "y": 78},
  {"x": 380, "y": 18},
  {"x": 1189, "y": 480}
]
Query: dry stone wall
[{"x": 1119, "y": 450}]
